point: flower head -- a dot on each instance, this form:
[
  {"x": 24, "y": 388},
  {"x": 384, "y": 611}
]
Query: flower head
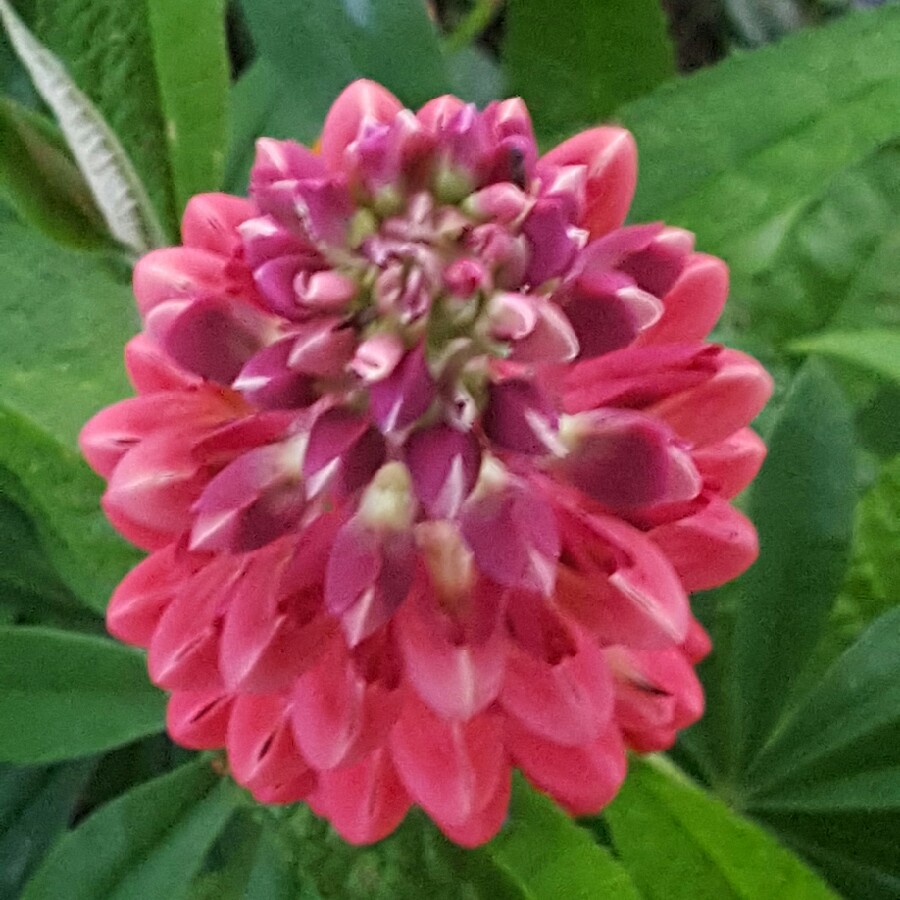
[{"x": 428, "y": 451}]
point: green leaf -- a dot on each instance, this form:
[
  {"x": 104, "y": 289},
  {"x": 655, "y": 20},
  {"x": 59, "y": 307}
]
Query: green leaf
[
  {"x": 62, "y": 498},
  {"x": 40, "y": 180},
  {"x": 65, "y": 695},
  {"x": 575, "y": 67},
  {"x": 680, "y": 843},
  {"x": 829, "y": 779},
  {"x": 36, "y": 805},
  {"x": 148, "y": 843},
  {"x": 802, "y": 504},
  {"x": 118, "y": 191},
  {"x": 415, "y": 861},
  {"x": 107, "y": 47},
  {"x": 877, "y": 350},
  {"x": 264, "y": 106},
  {"x": 319, "y": 46},
  {"x": 737, "y": 152},
  {"x": 193, "y": 72},
  {"x": 552, "y": 856},
  {"x": 839, "y": 263}
]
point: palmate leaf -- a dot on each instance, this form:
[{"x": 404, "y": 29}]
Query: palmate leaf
[
  {"x": 876, "y": 350},
  {"x": 679, "y": 843}
]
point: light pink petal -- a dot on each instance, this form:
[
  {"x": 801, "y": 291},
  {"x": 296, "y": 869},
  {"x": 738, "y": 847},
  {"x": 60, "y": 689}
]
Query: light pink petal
[
  {"x": 282, "y": 161},
  {"x": 210, "y": 222},
  {"x": 711, "y": 547},
  {"x": 143, "y": 595},
  {"x": 262, "y": 755},
  {"x": 452, "y": 769},
  {"x": 721, "y": 405},
  {"x": 456, "y": 678},
  {"x": 619, "y": 585},
  {"x": 728, "y": 466},
  {"x": 338, "y": 717},
  {"x": 581, "y": 779},
  {"x": 360, "y": 103},
  {"x": 569, "y": 703},
  {"x": 693, "y": 305},
  {"x": 198, "y": 720},
  {"x": 435, "y": 114},
  {"x": 364, "y": 802},
  {"x": 610, "y": 155},
  {"x": 179, "y": 273}
]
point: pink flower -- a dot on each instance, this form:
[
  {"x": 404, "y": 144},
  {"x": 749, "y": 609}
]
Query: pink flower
[{"x": 428, "y": 451}]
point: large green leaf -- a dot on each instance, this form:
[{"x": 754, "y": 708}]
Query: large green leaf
[
  {"x": 829, "y": 779},
  {"x": 737, "y": 152},
  {"x": 41, "y": 181},
  {"x": 319, "y": 46},
  {"x": 839, "y": 263},
  {"x": 147, "y": 844},
  {"x": 552, "y": 856},
  {"x": 679, "y": 843},
  {"x": 192, "y": 69},
  {"x": 876, "y": 350},
  {"x": 36, "y": 805},
  {"x": 802, "y": 505},
  {"x": 65, "y": 695},
  {"x": 107, "y": 46},
  {"x": 575, "y": 67}
]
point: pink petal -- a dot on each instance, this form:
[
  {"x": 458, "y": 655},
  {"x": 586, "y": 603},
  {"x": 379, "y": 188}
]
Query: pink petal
[
  {"x": 364, "y": 802},
  {"x": 443, "y": 463},
  {"x": 337, "y": 716},
  {"x": 210, "y": 222},
  {"x": 184, "y": 651},
  {"x": 520, "y": 417},
  {"x": 282, "y": 161},
  {"x": 435, "y": 114},
  {"x": 150, "y": 369},
  {"x": 512, "y": 532},
  {"x": 198, "y": 720},
  {"x": 693, "y": 305},
  {"x": 152, "y": 489},
  {"x": 618, "y": 585},
  {"x": 274, "y": 628},
  {"x": 610, "y": 155},
  {"x": 262, "y": 755},
  {"x": 569, "y": 703},
  {"x": 710, "y": 547},
  {"x": 657, "y": 694},
  {"x": 456, "y": 678},
  {"x": 452, "y": 769},
  {"x": 360, "y": 103},
  {"x": 730, "y": 465},
  {"x": 254, "y": 500},
  {"x": 581, "y": 779},
  {"x": 484, "y": 824},
  {"x": 403, "y": 396},
  {"x": 143, "y": 595},
  {"x": 178, "y": 273},
  {"x": 625, "y": 460},
  {"x": 721, "y": 405}
]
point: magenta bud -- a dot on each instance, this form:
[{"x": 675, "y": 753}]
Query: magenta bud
[{"x": 464, "y": 277}]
